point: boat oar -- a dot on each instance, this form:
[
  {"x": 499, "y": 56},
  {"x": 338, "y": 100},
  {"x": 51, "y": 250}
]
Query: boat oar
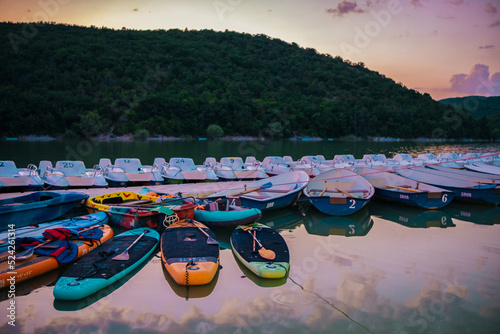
[
  {"x": 124, "y": 255},
  {"x": 323, "y": 192},
  {"x": 210, "y": 240},
  {"x": 403, "y": 188},
  {"x": 263, "y": 252},
  {"x": 346, "y": 193},
  {"x": 484, "y": 182},
  {"x": 264, "y": 186},
  {"x": 30, "y": 251}
]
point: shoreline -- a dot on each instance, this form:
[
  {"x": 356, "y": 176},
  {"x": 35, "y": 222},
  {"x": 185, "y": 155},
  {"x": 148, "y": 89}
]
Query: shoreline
[{"x": 130, "y": 138}]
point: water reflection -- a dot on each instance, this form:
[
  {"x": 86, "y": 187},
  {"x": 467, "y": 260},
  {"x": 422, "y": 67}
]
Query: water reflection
[
  {"x": 358, "y": 224},
  {"x": 409, "y": 216},
  {"x": 283, "y": 219},
  {"x": 474, "y": 213}
]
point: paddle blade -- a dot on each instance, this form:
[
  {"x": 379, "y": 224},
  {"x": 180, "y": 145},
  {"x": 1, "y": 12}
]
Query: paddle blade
[
  {"x": 267, "y": 254},
  {"x": 122, "y": 256}
]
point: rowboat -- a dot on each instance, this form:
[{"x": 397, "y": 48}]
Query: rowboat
[
  {"x": 71, "y": 174},
  {"x": 469, "y": 174},
  {"x": 109, "y": 262},
  {"x": 132, "y": 210},
  {"x": 189, "y": 252},
  {"x": 36, "y": 207},
  {"x": 482, "y": 168},
  {"x": 12, "y": 177},
  {"x": 128, "y": 171},
  {"x": 221, "y": 214},
  {"x": 271, "y": 193},
  {"x": 35, "y": 231},
  {"x": 396, "y": 188},
  {"x": 179, "y": 170},
  {"x": 233, "y": 168},
  {"x": 339, "y": 192},
  {"x": 464, "y": 188}
]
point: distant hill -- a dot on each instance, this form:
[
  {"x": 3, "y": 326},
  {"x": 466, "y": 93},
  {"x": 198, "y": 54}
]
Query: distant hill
[
  {"x": 477, "y": 106},
  {"x": 85, "y": 81}
]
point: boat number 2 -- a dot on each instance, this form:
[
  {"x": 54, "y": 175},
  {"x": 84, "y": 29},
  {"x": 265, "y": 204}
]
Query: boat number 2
[
  {"x": 2, "y": 164},
  {"x": 353, "y": 203},
  {"x": 444, "y": 198}
]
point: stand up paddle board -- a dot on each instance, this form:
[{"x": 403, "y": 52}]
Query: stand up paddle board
[
  {"x": 266, "y": 256},
  {"x": 107, "y": 264},
  {"x": 189, "y": 252}
]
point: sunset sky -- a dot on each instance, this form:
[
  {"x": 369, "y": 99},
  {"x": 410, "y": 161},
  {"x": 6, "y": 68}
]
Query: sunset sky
[{"x": 446, "y": 48}]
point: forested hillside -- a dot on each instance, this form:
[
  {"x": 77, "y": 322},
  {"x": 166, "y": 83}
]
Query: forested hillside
[
  {"x": 77, "y": 81},
  {"x": 477, "y": 106}
]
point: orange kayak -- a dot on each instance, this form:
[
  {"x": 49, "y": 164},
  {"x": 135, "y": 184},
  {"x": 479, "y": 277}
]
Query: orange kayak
[{"x": 13, "y": 270}]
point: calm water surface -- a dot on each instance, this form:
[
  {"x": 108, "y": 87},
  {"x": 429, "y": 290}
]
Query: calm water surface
[
  {"x": 90, "y": 152},
  {"x": 386, "y": 269}
]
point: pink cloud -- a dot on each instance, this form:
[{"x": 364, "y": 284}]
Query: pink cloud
[
  {"x": 456, "y": 2},
  {"x": 494, "y": 24},
  {"x": 477, "y": 82},
  {"x": 490, "y": 8},
  {"x": 416, "y": 3},
  {"x": 346, "y": 7}
]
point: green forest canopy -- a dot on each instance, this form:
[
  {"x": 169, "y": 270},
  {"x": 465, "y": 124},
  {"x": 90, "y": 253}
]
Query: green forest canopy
[{"x": 65, "y": 80}]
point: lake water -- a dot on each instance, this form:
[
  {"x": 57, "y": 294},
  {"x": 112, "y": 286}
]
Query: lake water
[{"x": 386, "y": 269}]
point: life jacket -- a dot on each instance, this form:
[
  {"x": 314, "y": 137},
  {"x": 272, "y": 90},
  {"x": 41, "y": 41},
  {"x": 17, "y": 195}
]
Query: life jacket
[{"x": 57, "y": 234}]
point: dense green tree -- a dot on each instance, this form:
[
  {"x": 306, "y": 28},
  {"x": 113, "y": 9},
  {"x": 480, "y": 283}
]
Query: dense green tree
[{"x": 77, "y": 81}]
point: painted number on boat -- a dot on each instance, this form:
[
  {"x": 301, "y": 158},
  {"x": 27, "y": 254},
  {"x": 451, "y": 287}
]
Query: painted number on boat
[
  {"x": 351, "y": 229},
  {"x": 402, "y": 196},
  {"x": 444, "y": 198},
  {"x": 465, "y": 194},
  {"x": 179, "y": 161},
  {"x": 2, "y": 164},
  {"x": 269, "y": 205},
  {"x": 68, "y": 165},
  {"x": 353, "y": 203}
]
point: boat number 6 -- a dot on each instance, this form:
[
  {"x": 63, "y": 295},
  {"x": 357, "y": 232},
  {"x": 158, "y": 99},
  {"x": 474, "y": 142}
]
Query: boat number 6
[
  {"x": 444, "y": 198},
  {"x": 353, "y": 202}
]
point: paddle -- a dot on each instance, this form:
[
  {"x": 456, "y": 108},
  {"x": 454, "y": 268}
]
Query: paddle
[
  {"x": 346, "y": 193},
  {"x": 124, "y": 256},
  {"x": 30, "y": 251},
  {"x": 483, "y": 182},
  {"x": 323, "y": 192},
  {"x": 403, "y": 188},
  {"x": 210, "y": 240},
  {"x": 263, "y": 252},
  {"x": 264, "y": 186}
]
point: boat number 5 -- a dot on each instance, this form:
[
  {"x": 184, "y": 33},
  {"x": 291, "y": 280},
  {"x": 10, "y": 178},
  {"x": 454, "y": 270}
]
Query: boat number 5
[
  {"x": 444, "y": 198},
  {"x": 353, "y": 202}
]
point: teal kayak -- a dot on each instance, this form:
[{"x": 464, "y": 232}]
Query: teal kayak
[
  {"x": 107, "y": 264},
  {"x": 221, "y": 213}
]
